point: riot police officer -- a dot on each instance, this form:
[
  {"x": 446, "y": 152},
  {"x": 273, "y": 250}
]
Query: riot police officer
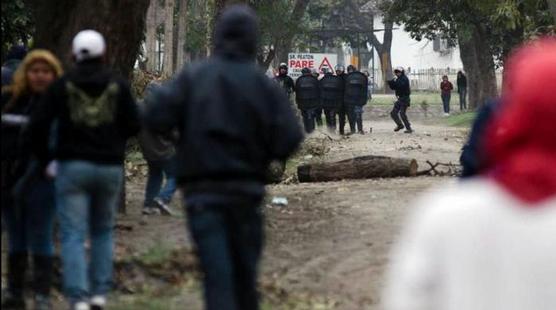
[
  {"x": 343, "y": 111},
  {"x": 401, "y": 85},
  {"x": 332, "y": 97},
  {"x": 355, "y": 96},
  {"x": 307, "y": 96},
  {"x": 285, "y": 81},
  {"x": 318, "y": 111}
]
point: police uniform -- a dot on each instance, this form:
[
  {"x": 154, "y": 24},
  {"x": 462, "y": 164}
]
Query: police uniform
[
  {"x": 332, "y": 96},
  {"x": 307, "y": 97}
]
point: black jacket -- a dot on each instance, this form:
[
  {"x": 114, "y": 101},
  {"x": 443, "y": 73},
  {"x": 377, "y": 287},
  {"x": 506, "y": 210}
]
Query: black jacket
[
  {"x": 462, "y": 81},
  {"x": 286, "y": 82},
  {"x": 96, "y": 115},
  {"x": 232, "y": 120},
  {"x": 14, "y": 143},
  {"x": 401, "y": 86}
]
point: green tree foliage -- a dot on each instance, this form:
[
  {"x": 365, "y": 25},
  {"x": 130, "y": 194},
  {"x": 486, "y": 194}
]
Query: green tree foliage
[
  {"x": 506, "y": 22},
  {"x": 17, "y": 25}
]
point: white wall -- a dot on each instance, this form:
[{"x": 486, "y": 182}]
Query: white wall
[{"x": 408, "y": 52}]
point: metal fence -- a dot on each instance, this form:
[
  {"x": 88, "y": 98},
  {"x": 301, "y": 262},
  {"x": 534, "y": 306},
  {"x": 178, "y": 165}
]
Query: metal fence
[{"x": 427, "y": 79}]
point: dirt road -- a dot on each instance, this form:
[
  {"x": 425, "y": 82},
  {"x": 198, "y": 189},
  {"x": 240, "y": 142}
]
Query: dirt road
[{"x": 327, "y": 249}]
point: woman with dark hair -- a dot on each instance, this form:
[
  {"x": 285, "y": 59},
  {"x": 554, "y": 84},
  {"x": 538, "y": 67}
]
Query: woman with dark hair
[
  {"x": 446, "y": 88},
  {"x": 29, "y": 217}
]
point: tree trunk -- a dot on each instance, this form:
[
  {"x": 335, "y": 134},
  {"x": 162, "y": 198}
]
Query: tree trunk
[
  {"x": 364, "y": 167},
  {"x": 552, "y": 7},
  {"x": 209, "y": 17},
  {"x": 283, "y": 46},
  {"x": 121, "y": 22},
  {"x": 169, "y": 39},
  {"x": 151, "y": 36},
  {"x": 478, "y": 63},
  {"x": 182, "y": 32}
]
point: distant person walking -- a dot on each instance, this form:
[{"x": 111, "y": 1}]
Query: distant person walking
[
  {"x": 446, "y": 88},
  {"x": 159, "y": 152},
  {"x": 462, "y": 90},
  {"x": 232, "y": 122},
  {"x": 96, "y": 114}
]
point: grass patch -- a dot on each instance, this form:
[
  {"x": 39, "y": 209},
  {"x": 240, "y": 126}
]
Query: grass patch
[
  {"x": 431, "y": 98},
  {"x": 461, "y": 119},
  {"x": 157, "y": 254}
]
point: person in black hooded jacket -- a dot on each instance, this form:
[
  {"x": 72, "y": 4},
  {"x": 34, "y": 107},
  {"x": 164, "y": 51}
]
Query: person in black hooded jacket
[{"x": 232, "y": 122}]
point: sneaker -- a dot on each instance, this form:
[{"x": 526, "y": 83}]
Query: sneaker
[
  {"x": 150, "y": 211},
  {"x": 361, "y": 132},
  {"x": 42, "y": 302},
  {"x": 163, "y": 207},
  {"x": 98, "y": 302},
  {"x": 446, "y": 114},
  {"x": 408, "y": 131},
  {"x": 81, "y": 305},
  {"x": 398, "y": 128}
]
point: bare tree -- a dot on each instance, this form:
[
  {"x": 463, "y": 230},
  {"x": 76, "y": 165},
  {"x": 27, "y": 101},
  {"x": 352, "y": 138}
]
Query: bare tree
[
  {"x": 552, "y": 6},
  {"x": 181, "y": 33},
  {"x": 168, "y": 68},
  {"x": 151, "y": 36},
  {"x": 383, "y": 48}
]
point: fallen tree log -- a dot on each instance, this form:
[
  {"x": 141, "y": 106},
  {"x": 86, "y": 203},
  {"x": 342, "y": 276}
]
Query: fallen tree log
[{"x": 365, "y": 167}]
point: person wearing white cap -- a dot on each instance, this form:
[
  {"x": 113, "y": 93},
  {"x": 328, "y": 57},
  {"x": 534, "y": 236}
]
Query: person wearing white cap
[{"x": 96, "y": 114}]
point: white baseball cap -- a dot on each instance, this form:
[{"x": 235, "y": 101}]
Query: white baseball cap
[
  {"x": 399, "y": 68},
  {"x": 88, "y": 44}
]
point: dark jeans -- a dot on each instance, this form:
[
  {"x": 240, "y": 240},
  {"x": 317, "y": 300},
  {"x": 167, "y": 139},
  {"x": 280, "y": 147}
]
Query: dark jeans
[
  {"x": 462, "y": 98},
  {"x": 30, "y": 223},
  {"x": 399, "y": 111},
  {"x": 158, "y": 170},
  {"x": 308, "y": 116},
  {"x": 229, "y": 241},
  {"x": 346, "y": 111},
  {"x": 330, "y": 114},
  {"x": 358, "y": 117},
  {"x": 446, "y": 102},
  {"x": 318, "y": 116}
]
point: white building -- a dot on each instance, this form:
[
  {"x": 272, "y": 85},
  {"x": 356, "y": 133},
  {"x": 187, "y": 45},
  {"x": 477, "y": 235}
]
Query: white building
[{"x": 425, "y": 61}]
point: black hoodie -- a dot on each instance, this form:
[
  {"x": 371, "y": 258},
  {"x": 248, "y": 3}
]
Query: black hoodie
[
  {"x": 232, "y": 119},
  {"x": 96, "y": 115}
]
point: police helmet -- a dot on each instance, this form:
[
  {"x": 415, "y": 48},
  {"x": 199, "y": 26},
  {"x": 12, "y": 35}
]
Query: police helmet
[
  {"x": 399, "y": 69},
  {"x": 351, "y": 68},
  {"x": 339, "y": 68},
  {"x": 283, "y": 66},
  {"x": 305, "y": 71}
]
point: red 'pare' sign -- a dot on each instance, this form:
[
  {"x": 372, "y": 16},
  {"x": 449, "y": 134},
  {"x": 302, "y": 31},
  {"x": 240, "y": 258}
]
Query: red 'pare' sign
[{"x": 294, "y": 63}]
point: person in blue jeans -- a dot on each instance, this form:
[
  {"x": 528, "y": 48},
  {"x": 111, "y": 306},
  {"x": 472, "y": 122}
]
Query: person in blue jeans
[
  {"x": 232, "y": 122},
  {"x": 28, "y": 206},
  {"x": 96, "y": 114},
  {"x": 159, "y": 152},
  {"x": 446, "y": 88}
]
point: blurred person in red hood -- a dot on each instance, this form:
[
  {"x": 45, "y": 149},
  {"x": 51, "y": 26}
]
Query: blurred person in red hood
[{"x": 490, "y": 242}]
